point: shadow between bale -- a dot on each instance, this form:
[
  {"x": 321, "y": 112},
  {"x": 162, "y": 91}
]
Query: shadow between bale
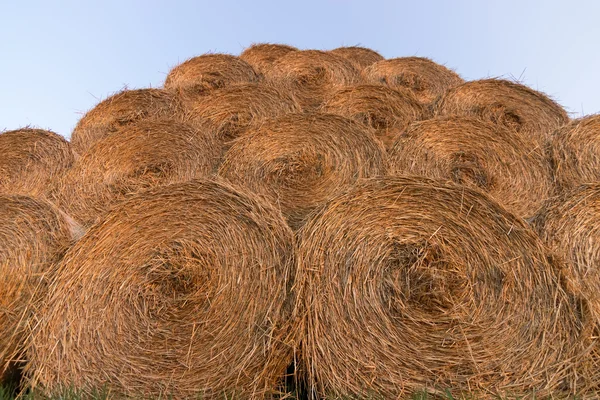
[
  {"x": 139, "y": 156},
  {"x": 299, "y": 161},
  {"x": 425, "y": 78},
  {"x": 408, "y": 284},
  {"x": 360, "y": 57},
  {"x": 478, "y": 154},
  {"x": 31, "y": 159},
  {"x": 181, "y": 291},
  {"x": 262, "y": 55}
]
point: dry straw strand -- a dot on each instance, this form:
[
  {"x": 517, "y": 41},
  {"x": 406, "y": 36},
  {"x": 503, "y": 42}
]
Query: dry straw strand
[
  {"x": 31, "y": 159},
  {"x": 479, "y": 154},
  {"x": 387, "y": 111},
  {"x": 425, "y": 78},
  {"x": 182, "y": 291},
  {"x": 299, "y": 161},
  {"x": 262, "y": 55},
  {"x": 410, "y": 284},
  {"x": 360, "y": 57}
]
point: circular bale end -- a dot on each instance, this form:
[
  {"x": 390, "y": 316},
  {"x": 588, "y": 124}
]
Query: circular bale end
[
  {"x": 262, "y": 55},
  {"x": 200, "y": 75},
  {"x": 181, "y": 292},
  {"x": 408, "y": 284},
  {"x": 360, "y": 57},
  {"x": 121, "y": 109},
  {"x": 506, "y": 103},
  {"x": 31, "y": 159},
  {"x": 425, "y": 78},
  {"x": 312, "y": 75},
  {"x": 33, "y": 234},
  {"x": 387, "y": 111},
  {"x": 477, "y": 154},
  {"x": 139, "y": 156},
  {"x": 575, "y": 153},
  {"x": 232, "y": 110},
  {"x": 299, "y": 161}
]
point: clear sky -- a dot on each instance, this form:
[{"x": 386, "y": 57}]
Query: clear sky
[{"x": 59, "y": 58}]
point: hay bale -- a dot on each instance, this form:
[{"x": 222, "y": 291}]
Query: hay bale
[
  {"x": 139, "y": 156},
  {"x": 312, "y": 75},
  {"x": 31, "y": 159},
  {"x": 424, "y": 77},
  {"x": 386, "y": 110},
  {"x": 408, "y": 284},
  {"x": 199, "y": 75},
  {"x": 182, "y": 291},
  {"x": 262, "y": 55},
  {"x": 505, "y": 103},
  {"x": 121, "y": 109},
  {"x": 33, "y": 233},
  {"x": 299, "y": 161},
  {"x": 575, "y": 153},
  {"x": 233, "y": 109},
  {"x": 480, "y": 155},
  {"x": 360, "y": 57}
]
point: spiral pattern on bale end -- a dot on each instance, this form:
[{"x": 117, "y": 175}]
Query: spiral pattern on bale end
[
  {"x": 262, "y": 55},
  {"x": 408, "y": 284},
  {"x": 313, "y": 74},
  {"x": 122, "y": 109},
  {"x": 30, "y": 159},
  {"x": 478, "y": 154},
  {"x": 360, "y": 57},
  {"x": 232, "y": 110},
  {"x": 575, "y": 153},
  {"x": 182, "y": 291},
  {"x": 387, "y": 111},
  {"x": 33, "y": 233},
  {"x": 506, "y": 103},
  {"x": 425, "y": 78},
  {"x": 137, "y": 157},
  {"x": 299, "y": 161}
]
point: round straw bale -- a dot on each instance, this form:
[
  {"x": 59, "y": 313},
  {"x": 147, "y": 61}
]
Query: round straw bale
[
  {"x": 313, "y": 74},
  {"x": 30, "y": 159},
  {"x": 200, "y": 75},
  {"x": 408, "y": 284},
  {"x": 575, "y": 153},
  {"x": 32, "y": 235},
  {"x": 386, "y": 110},
  {"x": 360, "y": 57},
  {"x": 139, "y": 156},
  {"x": 506, "y": 103},
  {"x": 479, "y": 154},
  {"x": 182, "y": 291},
  {"x": 262, "y": 55},
  {"x": 120, "y": 109},
  {"x": 424, "y": 77},
  {"x": 299, "y": 161},
  {"x": 233, "y": 109}
]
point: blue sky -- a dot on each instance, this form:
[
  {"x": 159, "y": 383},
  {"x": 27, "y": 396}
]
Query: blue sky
[{"x": 59, "y": 58}]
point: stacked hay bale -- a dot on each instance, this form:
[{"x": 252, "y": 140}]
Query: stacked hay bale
[
  {"x": 575, "y": 153},
  {"x": 387, "y": 111},
  {"x": 122, "y": 109},
  {"x": 425, "y": 78},
  {"x": 30, "y": 159},
  {"x": 299, "y": 161},
  {"x": 262, "y": 55},
  {"x": 360, "y": 57},
  {"x": 139, "y": 156},
  {"x": 408, "y": 284},
  {"x": 312, "y": 75},
  {"x": 182, "y": 291},
  {"x": 506, "y": 103},
  {"x": 479, "y": 154},
  {"x": 33, "y": 234}
]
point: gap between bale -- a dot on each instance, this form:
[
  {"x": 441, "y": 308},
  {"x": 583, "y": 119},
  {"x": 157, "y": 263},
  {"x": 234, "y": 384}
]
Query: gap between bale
[
  {"x": 478, "y": 154},
  {"x": 182, "y": 291},
  {"x": 261, "y": 56},
  {"x": 409, "y": 284},
  {"x": 299, "y": 161},
  {"x": 360, "y": 57}
]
